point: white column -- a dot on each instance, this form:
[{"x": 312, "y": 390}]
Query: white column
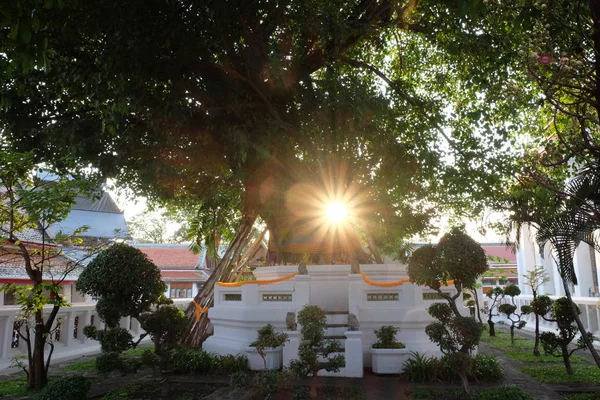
[
  {"x": 7, "y": 333},
  {"x": 301, "y": 291},
  {"x": 527, "y": 256},
  {"x": 67, "y": 328},
  {"x": 355, "y": 297},
  {"x": 354, "y": 354},
  {"x": 1, "y": 297},
  {"x": 124, "y": 322},
  {"x": 290, "y": 348},
  {"x": 85, "y": 320},
  {"x": 250, "y": 295},
  {"x": 583, "y": 270}
]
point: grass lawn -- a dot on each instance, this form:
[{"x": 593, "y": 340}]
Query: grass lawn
[
  {"x": 583, "y": 396},
  {"x": 498, "y": 393},
  {"x": 89, "y": 364},
  {"x": 529, "y": 357},
  {"x": 558, "y": 374},
  {"x": 138, "y": 350},
  {"x": 17, "y": 388}
]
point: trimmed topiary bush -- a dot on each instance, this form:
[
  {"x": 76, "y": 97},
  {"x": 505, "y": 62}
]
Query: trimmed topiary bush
[
  {"x": 386, "y": 338},
  {"x": 73, "y": 387}
]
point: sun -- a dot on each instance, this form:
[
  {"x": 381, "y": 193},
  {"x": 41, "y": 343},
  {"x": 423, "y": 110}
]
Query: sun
[{"x": 336, "y": 212}]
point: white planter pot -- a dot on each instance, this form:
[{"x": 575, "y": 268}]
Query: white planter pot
[
  {"x": 273, "y": 358},
  {"x": 388, "y": 361}
]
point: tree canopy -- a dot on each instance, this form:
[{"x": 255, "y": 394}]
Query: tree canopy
[{"x": 406, "y": 107}]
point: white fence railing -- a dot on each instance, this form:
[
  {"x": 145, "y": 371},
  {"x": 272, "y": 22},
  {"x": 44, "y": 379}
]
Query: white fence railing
[
  {"x": 70, "y": 320},
  {"x": 590, "y": 313}
]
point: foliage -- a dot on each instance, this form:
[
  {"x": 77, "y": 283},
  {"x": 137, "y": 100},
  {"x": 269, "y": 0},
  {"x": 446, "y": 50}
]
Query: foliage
[
  {"x": 422, "y": 369},
  {"x": 386, "y": 338},
  {"x": 199, "y": 362},
  {"x": 108, "y": 362},
  {"x": 457, "y": 257},
  {"x": 268, "y": 339},
  {"x": 165, "y": 326},
  {"x": 240, "y": 380},
  {"x": 112, "y": 340},
  {"x": 31, "y": 201},
  {"x": 555, "y": 374},
  {"x": 530, "y": 358},
  {"x": 510, "y": 310},
  {"x": 17, "y": 388},
  {"x": 84, "y": 365},
  {"x": 496, "y": 294},
  {"x": 124, "y": 279},
  {"x": 496, "y": 393},
  {"x": 268, "y": 382},
  {"x": 563, "y": 314},
  {"x": 71, "y": 387},
  {"x": 313, "y": 346},
  {"x": 142, "y": 389}
]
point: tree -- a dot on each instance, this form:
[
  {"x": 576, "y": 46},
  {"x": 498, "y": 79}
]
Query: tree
[
  {"x": 561, "y": 313},
  {"x": 313, "y": 346},
  {"x": 126, "y": 282},
  {"x": 459, "y": 258},
  {"x": 128, "y": 285},
  {"x": 535, "y": 278},
  {"x": 153, "y": 227},
  {"x": 510, "y": 310},
  {"x": 234, "y": 113},
  {"x": 557, "y": 188},
  {"x": 29, "y": 205},
  {"x": 496, "y": 294},
  {"x": 456, "y": 336}
]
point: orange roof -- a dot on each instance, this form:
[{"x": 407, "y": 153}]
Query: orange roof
[
  {"x": 169, "y": 255},
  {"x": 168, "y": 275}
]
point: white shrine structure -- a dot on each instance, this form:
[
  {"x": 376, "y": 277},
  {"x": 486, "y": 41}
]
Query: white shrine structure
[{"x": 379, "y": 295}]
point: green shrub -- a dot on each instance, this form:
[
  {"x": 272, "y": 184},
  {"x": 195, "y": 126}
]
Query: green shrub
[
  {"x": 486, "y": 368},
  {"x": 268, "y": 382},
  {"x": 229, "y": 364},
  {"x": 422, "y": 369},
  {"x": 73, "y": 387},
  {"x": 108, "y": 362},
  {"x": 240, "y": 380},
  {"x": 386, "y": 338},
  {"x": 149, "y": 358},
  {"x": 114, "y": 340}
]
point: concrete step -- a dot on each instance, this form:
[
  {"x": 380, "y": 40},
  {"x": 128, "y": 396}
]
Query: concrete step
[{"x": 337, "y": 317}]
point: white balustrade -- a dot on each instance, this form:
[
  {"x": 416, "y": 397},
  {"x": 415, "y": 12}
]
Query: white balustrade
[{"x": 72, "y": 320}]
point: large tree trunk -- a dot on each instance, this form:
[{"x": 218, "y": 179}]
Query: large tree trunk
[
  {"x": 38, "y": 376},
  {"x": 197, "y": 330},
  {"x": 580, "y": 326}
]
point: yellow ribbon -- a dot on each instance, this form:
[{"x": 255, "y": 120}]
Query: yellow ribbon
[
  {"x": 199, "y": 310},
  {"x": 257, "y": 282},
  {"x": 395, "y": 283}
]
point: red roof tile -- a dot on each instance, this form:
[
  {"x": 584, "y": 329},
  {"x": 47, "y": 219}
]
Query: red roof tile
[
  {"x": 179, "y": 256},
  {"x": 182, "y": 276},
  {"x": 504, "y": 252}
]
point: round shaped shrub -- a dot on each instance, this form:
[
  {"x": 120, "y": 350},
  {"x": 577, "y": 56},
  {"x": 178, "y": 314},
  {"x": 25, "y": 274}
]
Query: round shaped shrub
[
  {"x": 109, "y": 362},
  {"x": 74, "y": 387}
]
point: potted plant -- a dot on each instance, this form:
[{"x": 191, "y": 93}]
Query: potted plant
[
  {"x": 388, "y": 355},
  {"x": 266, "y": 351}
]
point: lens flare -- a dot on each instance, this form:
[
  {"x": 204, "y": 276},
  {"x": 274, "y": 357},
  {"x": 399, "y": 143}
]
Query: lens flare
[{"x": 336, "y": 212}]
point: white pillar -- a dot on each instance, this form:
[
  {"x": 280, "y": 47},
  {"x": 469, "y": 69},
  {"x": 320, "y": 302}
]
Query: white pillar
[
  {"x": 354, "y": 354},
  {"x": 355, "y": 297},
  {"x": 290, "y": 348},
  {"x": 583, "y": 270},
  {"x": 7, "y": 333},
  {"x": 68, "y": 327},
  {"x": 168, "y": 292},
  {"x": 301, "y": 291}
]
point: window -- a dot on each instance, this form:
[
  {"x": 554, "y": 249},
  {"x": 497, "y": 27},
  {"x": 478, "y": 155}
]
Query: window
[
  {"x": 172, "y": 293},
  {"x": 178, "y": 293},
  {"x": 503, "y": 282},
  {"x": 488, "y": 282},
  {"x": 189, "y": 293}
]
